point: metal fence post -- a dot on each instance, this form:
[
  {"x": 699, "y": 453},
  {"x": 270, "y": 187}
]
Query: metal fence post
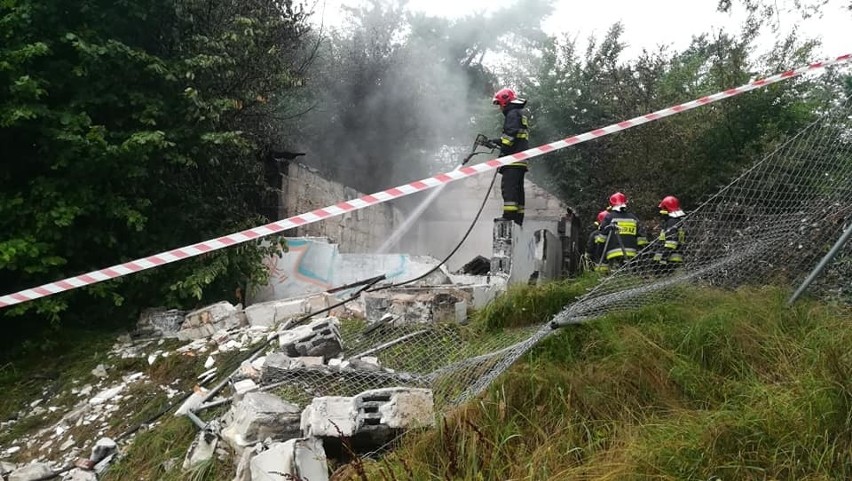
[{"x": 822, "y": 263}]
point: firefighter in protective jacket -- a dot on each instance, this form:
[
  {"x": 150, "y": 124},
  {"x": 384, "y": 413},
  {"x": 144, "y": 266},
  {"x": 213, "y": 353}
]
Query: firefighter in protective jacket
[
  {"x": 515, "y": 139},
  {"x": 622, "y": 231},
  {"x": 672, "y": 235},
  {"x": 595, "y": 245}
]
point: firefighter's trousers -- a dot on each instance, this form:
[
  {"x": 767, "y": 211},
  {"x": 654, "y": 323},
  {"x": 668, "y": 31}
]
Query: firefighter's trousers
[{"x": 512, "y": 187}]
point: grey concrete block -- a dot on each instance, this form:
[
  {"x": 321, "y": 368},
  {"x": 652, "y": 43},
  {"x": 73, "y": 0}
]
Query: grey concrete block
[{"x": 260, "y": 415}]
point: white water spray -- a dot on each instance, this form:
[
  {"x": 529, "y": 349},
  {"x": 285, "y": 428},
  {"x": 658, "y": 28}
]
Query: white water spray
[{"x": 410, "y": 220}]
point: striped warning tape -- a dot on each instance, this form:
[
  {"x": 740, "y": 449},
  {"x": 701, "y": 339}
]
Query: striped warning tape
[{"x": 386, "y": 195}]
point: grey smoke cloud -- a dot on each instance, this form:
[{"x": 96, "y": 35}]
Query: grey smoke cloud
[{"x": 401, "y": 96}]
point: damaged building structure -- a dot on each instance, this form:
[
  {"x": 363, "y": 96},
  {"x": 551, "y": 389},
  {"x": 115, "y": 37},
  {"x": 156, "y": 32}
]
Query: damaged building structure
[
  {"x": 337, "y": 259},
  {"x": 327, "y": 340},
  {"x": 342, "y": 250},
  {"x": 330, "y": 253}
]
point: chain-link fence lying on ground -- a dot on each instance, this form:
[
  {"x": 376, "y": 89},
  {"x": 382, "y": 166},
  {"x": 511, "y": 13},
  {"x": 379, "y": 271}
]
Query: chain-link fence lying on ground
[{"x": 774, "y": 222}]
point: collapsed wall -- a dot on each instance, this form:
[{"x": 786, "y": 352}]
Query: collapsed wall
[
  {"x": 314, "y": 264},
  {"x": 444, "y": 223},
  {"x": 303, "y": 189},
  {"x": 435, "y": 233}
]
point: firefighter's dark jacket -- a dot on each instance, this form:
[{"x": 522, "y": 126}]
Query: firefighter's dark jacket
[
  {"x": 595, "y": 245},
  {"x": 621, "y": 225},
  {"x": 516, "y": 131},
  {"x": 672, "y": 238}
]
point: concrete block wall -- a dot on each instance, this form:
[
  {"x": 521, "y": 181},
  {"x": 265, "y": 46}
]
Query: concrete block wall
[
  {"x": 445, "y": 222},
  {"x": 435, "y": 233},
  {"x": 303, "y": 189}
]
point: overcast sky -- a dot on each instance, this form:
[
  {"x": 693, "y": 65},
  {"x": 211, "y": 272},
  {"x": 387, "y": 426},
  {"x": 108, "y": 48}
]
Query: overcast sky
[{"x": 648, "y": 23}]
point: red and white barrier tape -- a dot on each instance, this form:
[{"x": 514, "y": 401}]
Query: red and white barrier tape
[{"x": 386, "y": 195}]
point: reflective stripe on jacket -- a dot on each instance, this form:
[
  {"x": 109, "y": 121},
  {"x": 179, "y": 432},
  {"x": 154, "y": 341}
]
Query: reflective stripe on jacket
[
  {"x": 672, "y": 238},
  {"x": 622, "y": 229}
]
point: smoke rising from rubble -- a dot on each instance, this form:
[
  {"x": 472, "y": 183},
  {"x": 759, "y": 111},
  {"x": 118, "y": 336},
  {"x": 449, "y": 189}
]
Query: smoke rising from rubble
[{"x": 402, "y": 95}]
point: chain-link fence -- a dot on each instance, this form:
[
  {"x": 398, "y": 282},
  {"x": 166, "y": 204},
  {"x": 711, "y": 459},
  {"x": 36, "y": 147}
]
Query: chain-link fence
[{"x": 772, "y": 223}]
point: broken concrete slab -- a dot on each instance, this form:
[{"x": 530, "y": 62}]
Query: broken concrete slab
[
  {"x": 396, "y": 408},
  {"x": 310, "y": 461},
  {"x": 269, "y": 314},
  {"x": 102, "y": 449},
  {"x": 383, "y": 414},
  {"x": 257, "y": 364},
  {"x": 192, "y": 402},
  {"x": 370, "y": 419},
  {"x": 67, "y": 444},
  {"x": 78, "y": 474},
  {"x": 366, "y": 364},
  {"x": 6, "y": 468},
  {"x": 294, "y": 459},
  {"x": 159, "y": 321},
  {"x": 311, "y": 361},
  {"x": 203, "y": 447},
  {"x": 106, "y": 395},
  {"x": 100, "y": 371},
  {"x": 259, "y": 415},
  {"x": 78, "y": 412},
  {"x": 319, "y": 338},
  {"x": 248, "y": 371},
  {"x": 207, "y": 321},
  {"x": 418, "y": 305},
  {"x": 104, "y": 464},
  {"x": 277, "y": 365},
  {"x": 273, "y": 464},
  {"x": 243, "y": 387},
  {"x": 333, "y": 416},
  {"x": 31, "y": 472},
  {"x": 244, "y": 463},
  {"x": 483, "y": 289}
]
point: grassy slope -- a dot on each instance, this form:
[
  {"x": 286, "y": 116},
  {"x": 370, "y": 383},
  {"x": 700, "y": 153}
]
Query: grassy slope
[
  {"x": 48, "y": 375},
  {"x": 721, "y": 384},
  {"x": 716, "y": 383}
]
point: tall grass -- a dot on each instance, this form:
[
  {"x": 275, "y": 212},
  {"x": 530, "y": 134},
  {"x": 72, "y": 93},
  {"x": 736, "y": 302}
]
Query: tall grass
[
  {"x": 524, "y": 305},
  {"x": 711, "y": 383}
]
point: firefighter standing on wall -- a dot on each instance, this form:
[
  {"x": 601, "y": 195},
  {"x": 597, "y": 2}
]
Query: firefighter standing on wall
[
  {"x": 622, "y": 232},
  {"x": 670, "y": 253},
  {"x": 515, "y": 139},
  {"x": 595, "y": 245}
]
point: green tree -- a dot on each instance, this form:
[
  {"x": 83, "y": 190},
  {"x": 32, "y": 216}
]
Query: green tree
[
  {"x": 128, "y": 128},
  {"x": 689, "y": 155}
]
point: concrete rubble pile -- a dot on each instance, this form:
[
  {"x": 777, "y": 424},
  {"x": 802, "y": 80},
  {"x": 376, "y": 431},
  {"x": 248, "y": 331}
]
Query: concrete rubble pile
[
  {"x": 271, "y": 437},
  {"x": 268, "y": 436},
  {"x": 448, "y": 301},
  {"x": 90, "y": 406}
]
